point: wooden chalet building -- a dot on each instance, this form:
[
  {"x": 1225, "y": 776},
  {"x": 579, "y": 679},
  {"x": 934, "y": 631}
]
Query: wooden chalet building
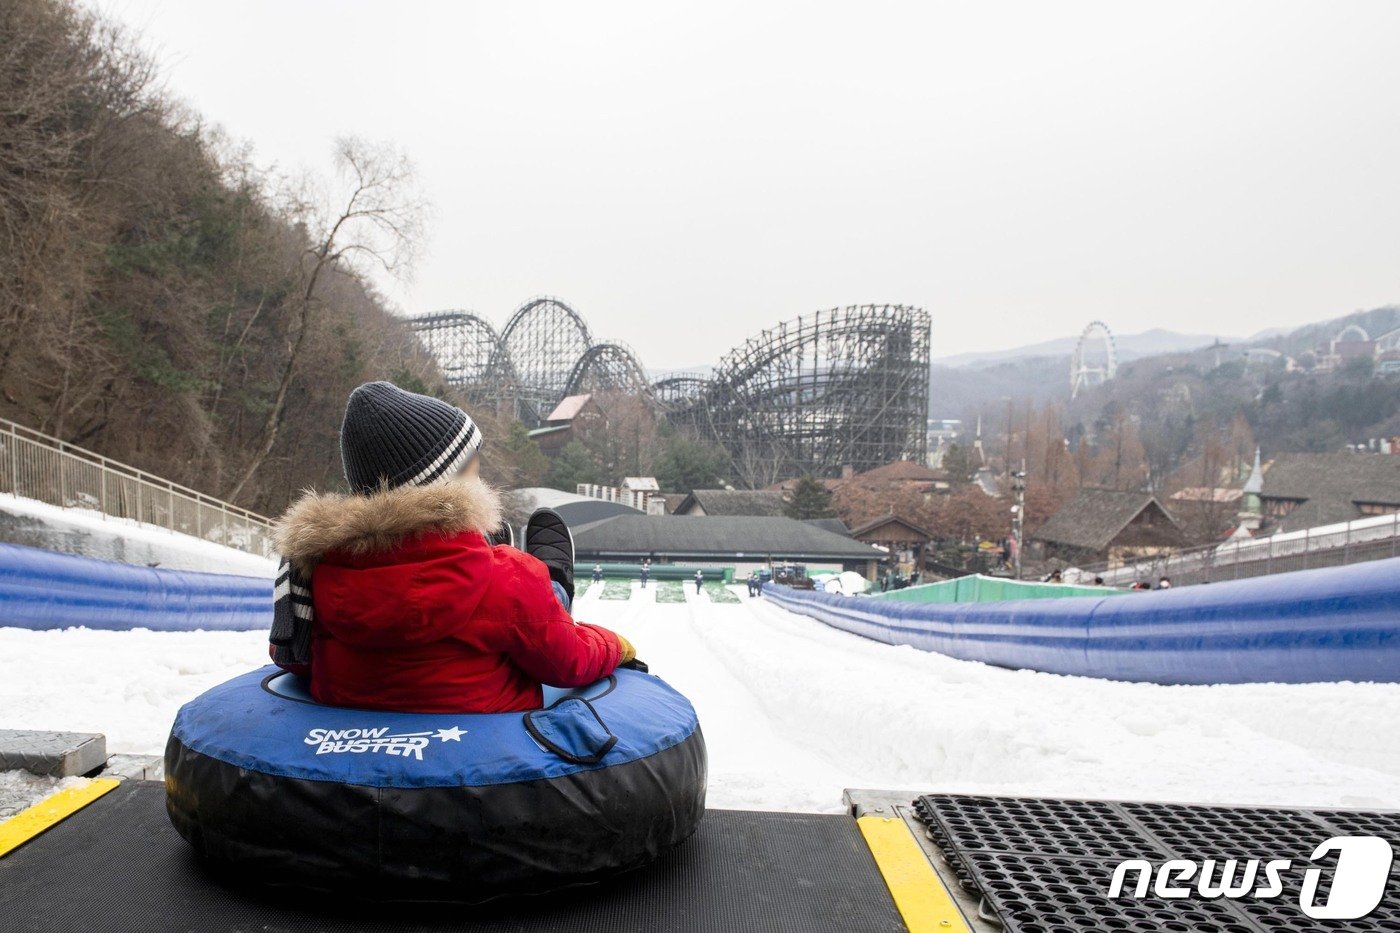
[
  {"x": 1309, "y": 490},
  {"x": 1108, "y": 525},
  {"x": 904, "y": 540},
  {"x": 574, "y": 418}
]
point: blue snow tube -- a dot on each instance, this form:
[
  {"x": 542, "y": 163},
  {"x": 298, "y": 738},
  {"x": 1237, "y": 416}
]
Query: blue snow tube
[{"x": 274, "y": 787}]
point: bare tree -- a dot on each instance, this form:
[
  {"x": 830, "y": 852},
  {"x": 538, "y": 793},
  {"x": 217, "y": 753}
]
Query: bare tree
[
  {"x": 758, "y": 462},
  {"x": 378, "y": 223}
]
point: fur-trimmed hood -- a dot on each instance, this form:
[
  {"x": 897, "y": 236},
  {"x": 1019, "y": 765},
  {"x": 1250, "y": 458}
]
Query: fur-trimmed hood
[{"x": 319, "y": 523}]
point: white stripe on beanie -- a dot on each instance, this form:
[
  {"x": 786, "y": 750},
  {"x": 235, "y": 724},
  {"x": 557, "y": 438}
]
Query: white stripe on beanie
[{"x": 463, "y": 446}]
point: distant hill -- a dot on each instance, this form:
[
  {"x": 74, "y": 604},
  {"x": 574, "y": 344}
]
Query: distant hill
[
  {"x": 1176, "y": 397},
  {"x": 967, "y": 391},
  {"x": 1375, "y": 322},
  {"x": 1129, "y": 347}
]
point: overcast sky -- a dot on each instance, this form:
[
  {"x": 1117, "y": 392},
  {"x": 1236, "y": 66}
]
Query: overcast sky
[{"x": 686, "y": 175}]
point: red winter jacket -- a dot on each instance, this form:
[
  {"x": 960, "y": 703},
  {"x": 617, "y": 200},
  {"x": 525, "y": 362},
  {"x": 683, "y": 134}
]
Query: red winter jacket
[{"x": 416, "y": 611}]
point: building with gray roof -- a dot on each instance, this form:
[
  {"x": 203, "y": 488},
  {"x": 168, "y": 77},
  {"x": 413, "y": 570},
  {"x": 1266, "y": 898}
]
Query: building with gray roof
[
  {"x": 1309, "y": 490},
  {"x": 1099, "y": 524},
  {"x": 732, "y": 502},
  {"x": 834, "y": 525},
  {"x": 742, "y": 541},
  {"x": 575, "y": 509}
]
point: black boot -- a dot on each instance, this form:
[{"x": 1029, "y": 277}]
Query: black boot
[
  {"x": 547, "y": 538},
  {"x": 502, "y": 535}
]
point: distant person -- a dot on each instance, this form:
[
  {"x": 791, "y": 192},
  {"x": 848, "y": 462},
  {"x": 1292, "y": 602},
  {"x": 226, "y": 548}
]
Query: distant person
[
  {"x": 699, "y": 581},
  {"x": 1165, "y": 583},
  {"x": 752, "y": 582},
  {"x": 1140, "y": 585},
  {"x": 884, "y": 581},
  {"x": 646, "y": 572},
  {"x": 914, "y": 578},
  {"x": 597, "y": 573}
]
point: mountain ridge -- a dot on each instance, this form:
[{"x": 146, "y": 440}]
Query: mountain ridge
[{"x": 1151, "y": 342}]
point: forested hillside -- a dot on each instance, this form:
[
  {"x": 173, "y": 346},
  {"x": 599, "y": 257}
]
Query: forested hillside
[
  {"x": 1173, "y": 404},
  {"x": 163, "y": 302}
]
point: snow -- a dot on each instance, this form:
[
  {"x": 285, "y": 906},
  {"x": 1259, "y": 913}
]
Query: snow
[
  {"x": 542, "y": 497},
  {"x": 848, "y": 583},
  {"x": 92, "y": 534},
  {"x": 20, "y": 789},
  {"x": 126, "y": 685},
  {"x": 794, "y": 711}
]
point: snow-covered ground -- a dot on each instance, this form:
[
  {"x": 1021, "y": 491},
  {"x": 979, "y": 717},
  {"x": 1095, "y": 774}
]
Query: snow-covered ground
[
  {"x": 19, "y": 789},
  {"x": 93, "y": 534},
  {"x": 794, "y": 711}
]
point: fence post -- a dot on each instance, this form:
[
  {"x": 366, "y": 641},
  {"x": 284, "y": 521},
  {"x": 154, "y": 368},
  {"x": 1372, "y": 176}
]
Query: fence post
[
  {"x": 170, "y": 515},
  {"x": 14, "y": 461},
  {"x": 1307, "y": 546}
]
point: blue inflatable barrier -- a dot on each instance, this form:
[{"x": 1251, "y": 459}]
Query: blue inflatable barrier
[
  {"x": 47, "y": 590},
  {"x": 1332, "y": 624}
]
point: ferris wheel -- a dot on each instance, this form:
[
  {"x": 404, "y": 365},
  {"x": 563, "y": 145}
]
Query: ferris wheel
[{"x": 1095, "y": 359}]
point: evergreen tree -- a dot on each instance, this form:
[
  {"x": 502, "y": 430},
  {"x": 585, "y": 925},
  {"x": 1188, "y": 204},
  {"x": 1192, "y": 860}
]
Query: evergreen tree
[
  {"x": 959, "y": 463},
  {"x": 528, "y": 464},
  {"x": 575, "y": 464},
  {"x": 810, "y": 499},
  {"x": 687, "y": 464}
]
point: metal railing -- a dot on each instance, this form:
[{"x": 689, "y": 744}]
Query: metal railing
[
  {"x": 36, "y": 466},
  {"x": 1372, "y": 538}
]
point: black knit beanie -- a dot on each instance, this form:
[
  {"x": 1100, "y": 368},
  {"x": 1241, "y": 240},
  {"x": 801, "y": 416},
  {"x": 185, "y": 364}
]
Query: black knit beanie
[{"x": 401, "y": 438}]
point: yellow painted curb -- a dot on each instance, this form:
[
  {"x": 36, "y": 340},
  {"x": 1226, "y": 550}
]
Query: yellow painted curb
[
  {"x": 31, "y": 821},
  {"x": 918, "y": 892}
]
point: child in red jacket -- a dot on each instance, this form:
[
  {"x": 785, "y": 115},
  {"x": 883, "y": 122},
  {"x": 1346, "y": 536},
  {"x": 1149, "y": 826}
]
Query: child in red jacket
[{"x": 393, "y": 597}]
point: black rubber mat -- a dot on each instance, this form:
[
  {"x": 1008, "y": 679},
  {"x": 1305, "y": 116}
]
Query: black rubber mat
[
  {"x": 118, "y": 866},
  {"x": 1046, "y": 866}
]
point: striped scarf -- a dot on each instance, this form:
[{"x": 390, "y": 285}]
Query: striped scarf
[{"x": 292, "y": 617}]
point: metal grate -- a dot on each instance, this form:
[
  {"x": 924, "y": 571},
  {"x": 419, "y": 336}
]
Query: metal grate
[
  {"x": 1046, "y": 866},
  {"x": 1229, "y": 832},
  {"x": 1061, "y": 895}
]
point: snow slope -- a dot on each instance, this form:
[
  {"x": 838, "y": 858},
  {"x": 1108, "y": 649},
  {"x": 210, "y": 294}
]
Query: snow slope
[
  {"x": 794, "y": 712},
  {"x": 92, "y": 534}
]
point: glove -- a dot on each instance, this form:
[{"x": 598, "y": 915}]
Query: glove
[
  {"x": 628, "y": 652},
  {"x": 637, "y": 664}
]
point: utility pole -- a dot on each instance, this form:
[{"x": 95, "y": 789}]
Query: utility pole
[
  {"x": 1018, "y": 515},
  {"x": 1006, "y": 452}
]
